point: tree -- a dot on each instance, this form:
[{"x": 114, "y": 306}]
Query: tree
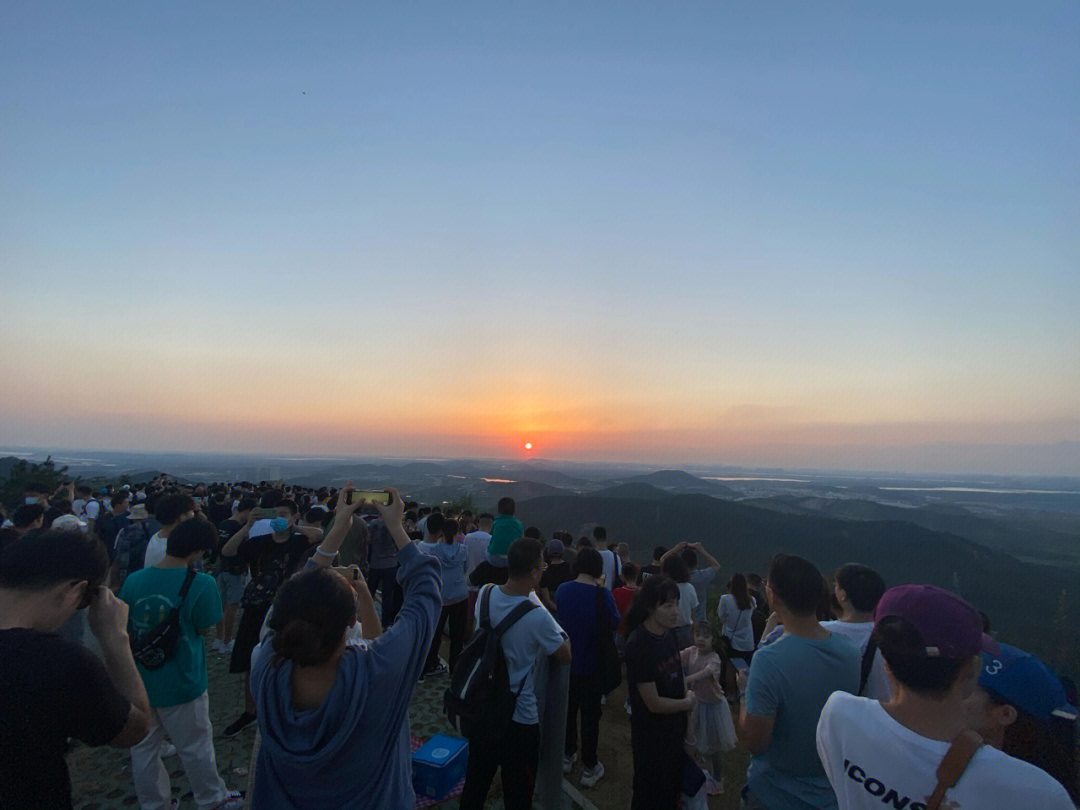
[
  {"x": 464, "y": 502},
  {"x": 45, "y": 476}
]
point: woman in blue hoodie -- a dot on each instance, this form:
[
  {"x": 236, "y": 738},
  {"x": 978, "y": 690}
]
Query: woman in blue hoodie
[
  {"x": 334, "y": 717},
  {"x": 452, "y": 557}
]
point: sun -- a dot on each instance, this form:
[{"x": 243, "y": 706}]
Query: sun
[{"x": 528, "y": 445}]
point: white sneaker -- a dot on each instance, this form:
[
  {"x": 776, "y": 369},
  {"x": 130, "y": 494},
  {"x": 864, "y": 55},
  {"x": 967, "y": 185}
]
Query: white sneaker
[
  {"x": 568, "y": 762},
  {"x": 168, "y": 750},
  {"x": 590, "y": 776},
  {"x": 233, "y": 801}
]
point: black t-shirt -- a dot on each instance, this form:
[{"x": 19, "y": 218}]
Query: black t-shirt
[
  {"x": 556, "y": 574},
  {"x": 487, "y": 574},
  {"x": 230, "y": 565},
  {"x": 655, "y": 659},
  {"x": 50, "y": 689},
  {"x": 217, "y": 512},
  {"x": 649, "y": 570},
  {"x": 271, "y": 564}
]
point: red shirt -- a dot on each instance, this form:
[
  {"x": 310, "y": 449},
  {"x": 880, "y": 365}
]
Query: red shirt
[{"x": 624, "y": 596}]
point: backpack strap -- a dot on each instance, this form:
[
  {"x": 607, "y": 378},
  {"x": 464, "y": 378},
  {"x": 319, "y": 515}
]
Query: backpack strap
[
  {"x": 510, "y": 619},
  {"x": 485, "y": 607},
  {"x": 867, "y": 663},
  {"x": 186, "y": 586},
  {"x": 953, "y": 764}
]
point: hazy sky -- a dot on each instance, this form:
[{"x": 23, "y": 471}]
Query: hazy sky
[{"x": 775, "y": 233}]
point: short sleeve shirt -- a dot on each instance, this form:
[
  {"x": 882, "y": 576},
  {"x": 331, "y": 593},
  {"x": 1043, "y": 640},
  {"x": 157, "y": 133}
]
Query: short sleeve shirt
[
  {"x": 655, "y": 659},
  {"x": 875, "y": 763},
  {"x": 52, "y": 689},
  {"x": 790, "y": 680},
  {"x": 536, "y": 634},
  {"x": 236, "y": 564},
  {"x": 151, "y": 593}
]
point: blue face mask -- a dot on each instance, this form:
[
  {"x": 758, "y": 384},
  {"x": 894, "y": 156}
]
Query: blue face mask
[
  {"x": 279, "y": 524},
  {"x": 30, "y": 500}
]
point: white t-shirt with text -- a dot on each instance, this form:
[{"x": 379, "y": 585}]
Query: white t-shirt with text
[{"x": 874, "y": 762}]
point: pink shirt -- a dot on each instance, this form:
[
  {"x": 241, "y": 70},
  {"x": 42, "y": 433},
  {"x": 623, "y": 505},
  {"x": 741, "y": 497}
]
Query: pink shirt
[{"x": 707, "y": 689}]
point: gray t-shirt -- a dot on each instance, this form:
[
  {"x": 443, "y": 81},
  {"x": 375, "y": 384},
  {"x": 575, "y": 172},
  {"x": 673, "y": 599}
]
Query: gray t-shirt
[{"x": 535, "y": 634}]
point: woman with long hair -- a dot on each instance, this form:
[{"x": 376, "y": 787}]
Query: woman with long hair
[
  {"x": 735, "y": 611},
  {"x": 659, "y": 700},
  {"x": 334, "y": 715}
]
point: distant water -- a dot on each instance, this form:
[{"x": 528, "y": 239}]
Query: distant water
[
  {"x": 983, "y": 489},
  {"x": 757, "y": 478}
]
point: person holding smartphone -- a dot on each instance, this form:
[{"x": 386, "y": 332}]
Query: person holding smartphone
[
  {"x": 54, "y": 689},
  {"x": 334, "y": 717}
]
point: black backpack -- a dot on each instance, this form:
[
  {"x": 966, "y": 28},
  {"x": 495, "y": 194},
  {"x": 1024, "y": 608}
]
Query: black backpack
[
  {"x": 479, "y": 701},
  {"x": 157, "y": 645}
]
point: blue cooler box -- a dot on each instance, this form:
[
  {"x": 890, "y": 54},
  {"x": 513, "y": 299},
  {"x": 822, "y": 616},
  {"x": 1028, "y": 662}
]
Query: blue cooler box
[{"x": 438, "y": 765}]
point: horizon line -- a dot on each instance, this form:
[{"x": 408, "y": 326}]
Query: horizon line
[{"x": 16, "y": 450}]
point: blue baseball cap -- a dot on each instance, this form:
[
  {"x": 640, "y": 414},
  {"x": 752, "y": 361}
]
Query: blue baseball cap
[{"x": 1025, "y": 682}]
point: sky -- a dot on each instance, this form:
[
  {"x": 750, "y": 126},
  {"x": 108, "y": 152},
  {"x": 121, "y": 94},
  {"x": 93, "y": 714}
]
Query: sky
[{"x": 784, "y": 233}]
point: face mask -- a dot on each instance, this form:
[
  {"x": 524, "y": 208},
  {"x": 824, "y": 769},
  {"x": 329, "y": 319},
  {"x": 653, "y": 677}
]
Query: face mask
[
  {"x": 279, "y": 524},
  {"x": 30, "y": 500}
]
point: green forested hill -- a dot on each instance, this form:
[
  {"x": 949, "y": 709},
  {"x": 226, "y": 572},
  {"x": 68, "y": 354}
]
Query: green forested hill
[{"x": 1035, "y": 607}]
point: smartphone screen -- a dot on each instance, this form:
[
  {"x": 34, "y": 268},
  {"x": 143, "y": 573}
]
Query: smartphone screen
[{"x": 368, "y": 495}]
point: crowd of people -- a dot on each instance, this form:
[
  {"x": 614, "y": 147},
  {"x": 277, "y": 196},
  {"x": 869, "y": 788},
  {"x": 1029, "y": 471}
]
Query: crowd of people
[{"x": 333, "y": 606}]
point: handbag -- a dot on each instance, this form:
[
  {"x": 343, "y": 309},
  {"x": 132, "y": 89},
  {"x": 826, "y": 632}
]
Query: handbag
[
  {"x": 157, "y": 645},
  {"x": 608, "y": 669}
]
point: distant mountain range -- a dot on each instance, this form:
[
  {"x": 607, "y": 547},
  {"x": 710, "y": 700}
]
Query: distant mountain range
[{"x": 1033, "y": 606}]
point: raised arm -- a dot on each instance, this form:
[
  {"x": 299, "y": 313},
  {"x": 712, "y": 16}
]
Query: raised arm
[
  {"x": 709, "y": 559},
  {"x": 108, "y": 623},
  {"x": 233, "y": 545},
  {"x": 343, "y": 518},
  {"x": 677, "y": 549}
]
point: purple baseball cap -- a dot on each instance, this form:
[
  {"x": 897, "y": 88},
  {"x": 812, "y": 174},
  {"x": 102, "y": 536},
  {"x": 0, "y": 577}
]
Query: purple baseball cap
[{"x": 949, "y": 626}]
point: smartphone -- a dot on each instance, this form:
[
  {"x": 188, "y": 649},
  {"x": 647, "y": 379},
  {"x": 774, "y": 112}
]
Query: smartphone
[
  {"x": 369, "y": 495},
  {"x": 268, "y": 514}
]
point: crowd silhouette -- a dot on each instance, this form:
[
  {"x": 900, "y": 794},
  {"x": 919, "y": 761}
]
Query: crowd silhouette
[{"x": 332, "y": 606}]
